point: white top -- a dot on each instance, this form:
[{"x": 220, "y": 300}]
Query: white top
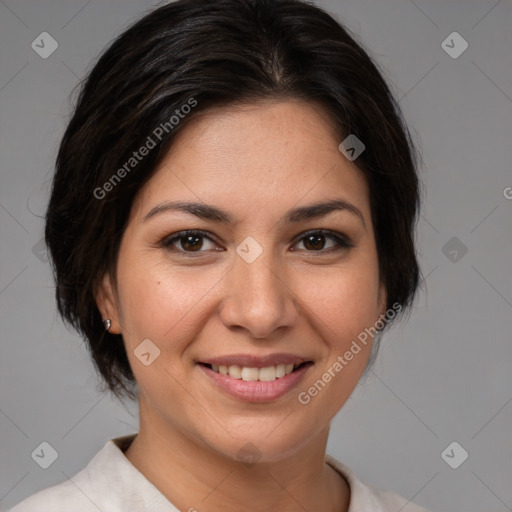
[{"x": 111, "y": 483}]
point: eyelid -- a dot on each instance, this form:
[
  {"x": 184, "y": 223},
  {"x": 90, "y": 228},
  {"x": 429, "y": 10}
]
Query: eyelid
[{"x": 342, "y": 241}]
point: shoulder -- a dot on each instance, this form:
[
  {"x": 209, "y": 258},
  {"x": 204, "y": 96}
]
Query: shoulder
[
  {"x": 364, "y": 497},
  {"x": 108, "y": 483},
  {"x": 392, "y": 502},
  {"x": 96, "y": 487},
  {"x": 59, "y": 498}
]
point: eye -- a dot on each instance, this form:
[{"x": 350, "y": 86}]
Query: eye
[
  {"x": 192, "y": 241},
  {"x": 189, "y": 241},
  {"x": 314, "y": 241}
]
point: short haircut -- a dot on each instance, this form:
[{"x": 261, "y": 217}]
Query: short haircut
[{"x": 208, "y": 54}]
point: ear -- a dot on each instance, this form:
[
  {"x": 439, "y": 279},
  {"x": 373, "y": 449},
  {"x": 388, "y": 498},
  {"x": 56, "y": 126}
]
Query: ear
[{"x": 107, "y": 303}]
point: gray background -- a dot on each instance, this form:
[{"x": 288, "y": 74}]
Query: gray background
[{"x": 444, "y": 376}]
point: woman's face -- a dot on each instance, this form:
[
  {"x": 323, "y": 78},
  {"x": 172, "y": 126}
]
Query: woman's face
[{"x": 258, "y": 286}]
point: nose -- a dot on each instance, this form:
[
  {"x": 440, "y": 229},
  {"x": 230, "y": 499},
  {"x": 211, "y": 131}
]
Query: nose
[{"x": 258, "y": 298}]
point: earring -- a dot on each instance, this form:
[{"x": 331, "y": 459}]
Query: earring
[{"x": 108, "y": 324}]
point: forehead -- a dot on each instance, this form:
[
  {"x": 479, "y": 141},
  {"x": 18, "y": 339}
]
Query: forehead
[{"x": 253, "y": 155}]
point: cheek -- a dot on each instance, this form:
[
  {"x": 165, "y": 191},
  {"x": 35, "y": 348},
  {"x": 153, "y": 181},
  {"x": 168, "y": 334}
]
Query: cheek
[
  {"x": 160, "y": 302},
  {"x": 341, "y": 307},
  {"x": 344, "y": 301}
]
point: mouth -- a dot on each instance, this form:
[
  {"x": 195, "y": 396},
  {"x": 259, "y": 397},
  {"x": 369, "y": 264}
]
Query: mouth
[
  {"x": 263, "y": 383},
  {"x": 253, "y": 373}
]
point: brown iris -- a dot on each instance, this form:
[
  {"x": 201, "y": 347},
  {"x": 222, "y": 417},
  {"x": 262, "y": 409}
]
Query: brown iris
[
  {"x": 314, "y": 241},
  {"x": 191, "y": 242}
]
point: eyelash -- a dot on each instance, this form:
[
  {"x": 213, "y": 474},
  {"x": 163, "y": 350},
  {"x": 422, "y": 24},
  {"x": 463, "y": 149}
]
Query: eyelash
[{"x": 342, "y": 242}]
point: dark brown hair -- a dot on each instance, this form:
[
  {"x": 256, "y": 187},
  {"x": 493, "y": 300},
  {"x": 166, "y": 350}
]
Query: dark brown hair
[{"x": 217, "y": 53}]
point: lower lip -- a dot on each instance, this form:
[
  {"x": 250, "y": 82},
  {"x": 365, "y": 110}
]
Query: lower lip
[{"x": 257, "y": 391}]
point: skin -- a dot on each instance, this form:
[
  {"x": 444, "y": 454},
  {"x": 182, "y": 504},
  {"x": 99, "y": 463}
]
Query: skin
[{"x": 255, "y": 161}]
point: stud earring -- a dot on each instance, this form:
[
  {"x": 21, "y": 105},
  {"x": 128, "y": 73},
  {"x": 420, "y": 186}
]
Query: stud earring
[{"x": 108, "y": 324}]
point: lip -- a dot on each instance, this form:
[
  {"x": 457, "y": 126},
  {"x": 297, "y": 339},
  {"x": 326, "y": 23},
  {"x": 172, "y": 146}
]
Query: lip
[
  {"x": 253, "y": 361},
  {"x": 256, "y": 391}
]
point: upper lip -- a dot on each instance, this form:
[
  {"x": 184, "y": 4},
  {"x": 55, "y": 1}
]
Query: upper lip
[{"x": 253, "y": 361}]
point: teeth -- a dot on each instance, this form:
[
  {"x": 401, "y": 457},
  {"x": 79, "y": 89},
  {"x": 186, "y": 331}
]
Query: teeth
[
  {"x": 281, "y": 370},
  {"x": 267, "y": 374}
]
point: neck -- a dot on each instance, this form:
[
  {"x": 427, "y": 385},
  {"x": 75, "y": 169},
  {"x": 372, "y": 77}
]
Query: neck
[{"x": 193, "y": 476}]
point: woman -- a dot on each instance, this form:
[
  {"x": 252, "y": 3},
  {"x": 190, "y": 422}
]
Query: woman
[{"x": 231, "y": 228}]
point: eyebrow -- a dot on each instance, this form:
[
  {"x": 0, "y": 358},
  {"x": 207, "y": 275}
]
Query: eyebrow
[{"x": 213, "y": 214}]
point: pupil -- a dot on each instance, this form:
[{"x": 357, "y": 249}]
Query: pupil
[
  {"x": 317, "y": 241},
  {"x": 186, "y": 244}
]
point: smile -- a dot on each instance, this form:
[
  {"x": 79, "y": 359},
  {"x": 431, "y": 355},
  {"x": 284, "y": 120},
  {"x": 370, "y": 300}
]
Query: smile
[
  {"x": 254, "y": 384},
  {"x": 266, "y": 374}
]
